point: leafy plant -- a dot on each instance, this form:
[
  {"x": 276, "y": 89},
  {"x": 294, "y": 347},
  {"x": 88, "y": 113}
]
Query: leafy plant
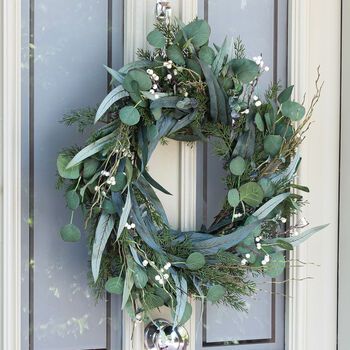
[{"x": 188, "y": 91}]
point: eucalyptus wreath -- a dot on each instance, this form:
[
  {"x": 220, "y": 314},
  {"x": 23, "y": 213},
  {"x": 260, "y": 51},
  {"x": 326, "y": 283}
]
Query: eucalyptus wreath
[{"x": 185, "y": 90}]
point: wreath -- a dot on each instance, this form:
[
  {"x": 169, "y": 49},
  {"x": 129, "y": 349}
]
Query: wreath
[{"x": 188, "y": 91}]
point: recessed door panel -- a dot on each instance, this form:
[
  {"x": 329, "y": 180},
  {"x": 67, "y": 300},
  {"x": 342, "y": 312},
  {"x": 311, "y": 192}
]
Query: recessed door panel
[
  {"x": 65, "y": 45},
  {"x": 262, "y": 26}
]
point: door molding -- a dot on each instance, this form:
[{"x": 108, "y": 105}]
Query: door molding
[
  {"x": 10, "y": 172},
  {"x": 312, "y": 303}
]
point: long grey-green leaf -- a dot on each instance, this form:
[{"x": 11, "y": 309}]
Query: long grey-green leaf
[
  {"x": 267, "y": 208},
  {"x": 296, "y": 240},
  {"x": 209, "y": 77},
  {"x": 125, "y": 214},
  {"x": 103, "y": 231},
  {"x": 223, "y": 54},
  {"x": 128, "y": 284},
  {"x": 212, "y": 245},
  {"x": 181, "y": 297},
  {"x": 288, "y": 173},
  {"x": 114, "y": 96},
  {"x": 115, "y": 74},
  {"x": 91, "y": 149}
]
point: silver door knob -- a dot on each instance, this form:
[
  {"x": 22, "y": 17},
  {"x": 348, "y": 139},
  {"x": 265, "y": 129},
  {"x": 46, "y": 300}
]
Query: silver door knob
[{"x": 160, "y": 335}]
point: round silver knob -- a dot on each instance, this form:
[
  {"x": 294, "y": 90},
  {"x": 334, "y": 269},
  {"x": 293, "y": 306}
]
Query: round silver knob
[{"x": 161, "y": 335}]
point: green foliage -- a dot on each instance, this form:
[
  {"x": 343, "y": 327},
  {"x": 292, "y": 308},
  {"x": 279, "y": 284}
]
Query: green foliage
[
  {"x": 216, "y": 293},
  {"x": 115, "y": 285},
  {"x": 129, "y": 115},
  {"x": 156, "y": 39},
  {"x": 70, "y": 233},
  {"x": 237, "y": 166},
  {"x": 209, "y": 97},
  {"x": 195, "y": 261},
  {"x": 71, "y": 173},
  {"x": 251, "y": 193}
]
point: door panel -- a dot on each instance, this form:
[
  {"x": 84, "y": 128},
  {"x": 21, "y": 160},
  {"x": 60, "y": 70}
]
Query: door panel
[
  {"x": 65, "y": 45},
  {"x": 262, "y": 25}
]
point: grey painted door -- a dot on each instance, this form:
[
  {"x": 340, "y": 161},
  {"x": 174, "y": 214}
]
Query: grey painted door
[
  {"x": 65, "y": 45},
  {"x": 262, "y": 25}
]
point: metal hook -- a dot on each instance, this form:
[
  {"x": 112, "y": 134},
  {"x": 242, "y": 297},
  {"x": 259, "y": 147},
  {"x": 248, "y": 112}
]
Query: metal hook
[{"x": 163, "y": 10}]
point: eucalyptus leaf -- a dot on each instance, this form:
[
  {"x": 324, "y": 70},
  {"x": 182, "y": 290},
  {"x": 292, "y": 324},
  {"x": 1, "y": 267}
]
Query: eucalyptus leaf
[
  {"x": 62, "y": 162},
  {"x": 259, "y": 122},
  {"x": 129, "y": 115},
  {"x": 128, "y": 285},
  {"x": 216, "y": 293},
  {"x": 140, "y": 277},
  {"x": 114, "y": 96},
  {"x": 245, "y": 70},
  {"x": 273, "y": 144},
  {"x": 125, "y": 214},
  {"x": 206, "y": 54},
  {"x": 70, "y": 233},
  {"x": 121, "y": 182},
  {"x": 233, "y": 197},
  {"x": 137, "y": 80},
  {"x": 91, "y": 149},
  {"x": 237, "y": 166},
  {"x": 275, "y": 267},
  {"x": 90, "y": 167},
  {"x": 285, "y": 95},
  {"x": 195, "y": 261},
  {"x": 176, "y": 55},
  {"x": 284, "y": 244},
  {"x": 103, "y": 231},
  {"x": 73, "y": 200},
  {"x": 198, "y": 32},
  {"x": 251, "y": 193},
  {"x": 293, "y": 110},
  {"x": 156, "y": 39},
  {"x": 115, "y": 285}
]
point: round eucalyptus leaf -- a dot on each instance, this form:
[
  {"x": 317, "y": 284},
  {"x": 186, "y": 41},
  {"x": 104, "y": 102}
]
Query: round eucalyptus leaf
[
  {"x": 237, "y": 166},
  {"x": 115, "y": 285},
  {"x": 195, "y": 261},
  {"x": 176, "y": 55},
  {"x": 284, "y": 130},
  {"x": 121, "y": 181},
  {"x": 275, "y": 267},
  {"x": 207, "y": 55},
  {"x": 137, "y": 80},
  {"x": 293, "y": 110},
  {"x": 70, "y": 233},
  {"x": 73, "y": 200},
  {"x": 216, "y": 293},
  {"x": 129, "y": 115},
  {"x": 140, "y": 277},
  {"x": 233, "y": 197},
  {"x": 251, "y": 193},
  {"x": 109, "y": 207},
  {"x": 72, "y": 173},
  {"x": 153, "y": 301},
  {"x": 198, "y": 32},
  {"x": 267, "y": 186},
  {"x": 272, "y": 144},
  {"x": 90, "y": 167},
  {"x": 156, "y": 39}
]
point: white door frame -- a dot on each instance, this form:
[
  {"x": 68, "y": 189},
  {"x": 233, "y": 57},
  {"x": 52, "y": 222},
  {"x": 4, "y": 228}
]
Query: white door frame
[
  {"x": 344, "y": 238},
  {"x": 315, "y": 40},
  {"x": 10, "y": 172}
]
